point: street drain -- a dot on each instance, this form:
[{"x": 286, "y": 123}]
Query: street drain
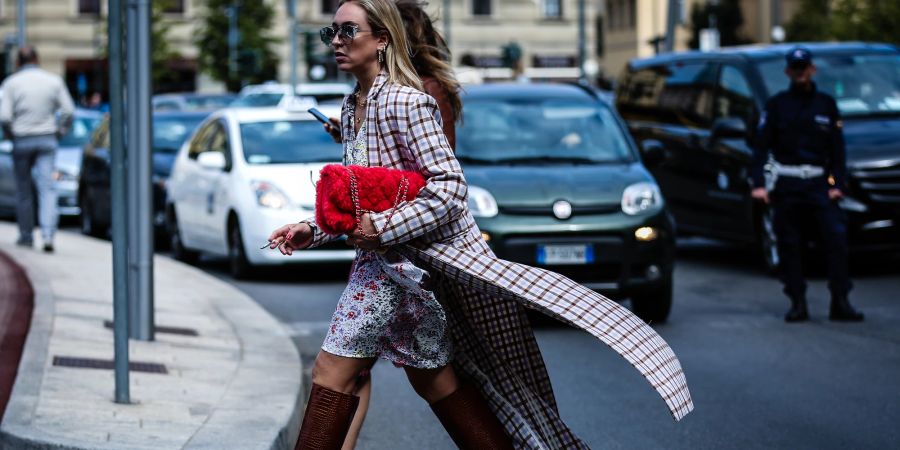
[{"x": 108, "y": 364}]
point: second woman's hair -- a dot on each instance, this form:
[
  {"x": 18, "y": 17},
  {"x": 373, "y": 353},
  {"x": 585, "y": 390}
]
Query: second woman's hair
[
  {"x": 383, "y": 17},
  {"x": 430, "y": 54}
]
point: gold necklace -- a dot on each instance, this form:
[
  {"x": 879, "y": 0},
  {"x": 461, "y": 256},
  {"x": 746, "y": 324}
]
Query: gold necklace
[{"x": 361, "y": 103}]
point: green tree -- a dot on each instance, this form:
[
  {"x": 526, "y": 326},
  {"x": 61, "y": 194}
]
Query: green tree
[
  {"x": 729, "y": 20},
  {"x": 811, "y": 22},
  {"x": 257, "y": 60},
  {"x": 846, "y": 20},
  {"x": 161, "y": 53},
  {"x": 873, "y": 20}
]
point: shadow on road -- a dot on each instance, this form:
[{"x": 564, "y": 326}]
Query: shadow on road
[
  {"x": 747, "y": 259},
  {"x": 292, "y": 273}
]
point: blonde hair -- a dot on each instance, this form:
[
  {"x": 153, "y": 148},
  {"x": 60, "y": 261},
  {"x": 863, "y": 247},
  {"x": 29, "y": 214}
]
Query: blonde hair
[{"x": 383, "y": 16}]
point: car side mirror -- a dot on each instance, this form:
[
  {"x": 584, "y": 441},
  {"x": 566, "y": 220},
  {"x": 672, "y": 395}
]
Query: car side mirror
[
  {"x": 653, "y": 152},
  {"x": 211, "y": 160},
  {"x": 729, "y": 127}
]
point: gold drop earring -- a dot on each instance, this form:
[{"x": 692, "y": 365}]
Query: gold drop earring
[{"x": 380, "y": 55}]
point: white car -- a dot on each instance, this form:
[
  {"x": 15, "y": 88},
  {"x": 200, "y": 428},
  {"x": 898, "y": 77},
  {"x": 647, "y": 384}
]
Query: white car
[
  {"x": 279, "y": 94},
  {"x": 243, "y": 173}
]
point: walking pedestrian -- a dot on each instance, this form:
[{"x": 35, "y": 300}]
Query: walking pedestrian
[
  {"x": 35, "y": 112},
  {"x": 430, "y": 58},
  {"x": 802, "y": 130},
  {"x": 425, "y": 291}
]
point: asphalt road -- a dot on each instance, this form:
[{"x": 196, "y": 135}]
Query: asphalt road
[{"x": 756, "y": 381}]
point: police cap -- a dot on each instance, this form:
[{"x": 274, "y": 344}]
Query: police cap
[{"x": 798, "y": 57}]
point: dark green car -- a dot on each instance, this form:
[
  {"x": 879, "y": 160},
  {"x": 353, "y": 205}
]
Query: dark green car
[{"x": 555, "y": 182}]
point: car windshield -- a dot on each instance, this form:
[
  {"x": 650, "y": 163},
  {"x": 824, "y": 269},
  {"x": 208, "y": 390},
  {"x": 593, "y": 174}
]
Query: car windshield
[
  {"x": 862, "y": 84},
  {"x": 80, "y": 132},
  {"x": 288, "y": 141},
  {"x": 258, "y": 100},
  {"x": 540, "y": 131},
  {"x": 170, "y": 132}
]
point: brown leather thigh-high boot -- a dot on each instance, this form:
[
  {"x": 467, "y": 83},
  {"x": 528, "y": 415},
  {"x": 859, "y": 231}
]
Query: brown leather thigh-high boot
[
  {"x": 470, "y": 422},
  {"x": 326, "y": 420}
]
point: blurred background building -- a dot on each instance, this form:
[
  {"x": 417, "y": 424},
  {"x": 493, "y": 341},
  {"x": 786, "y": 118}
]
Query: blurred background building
[{"x": 496, "y": 38}]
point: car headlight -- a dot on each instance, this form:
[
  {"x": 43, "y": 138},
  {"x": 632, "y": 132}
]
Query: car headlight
[
  {"x": 482, "y": 203},
  {"x": 269, "y": 196},
  {"x": 641, "y": 198}
]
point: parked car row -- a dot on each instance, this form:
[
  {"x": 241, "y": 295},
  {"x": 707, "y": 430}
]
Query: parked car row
[
  {"x": 170, "y": 129},
  {"x": 554, "y": 181}
]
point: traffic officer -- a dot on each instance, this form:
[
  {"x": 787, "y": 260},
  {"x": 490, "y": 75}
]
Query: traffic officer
[{"x": 802, "y": 130}]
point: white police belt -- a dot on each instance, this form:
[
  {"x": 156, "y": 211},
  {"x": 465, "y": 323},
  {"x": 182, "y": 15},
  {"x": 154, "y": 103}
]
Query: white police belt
[{"x": 804, "y": 171}]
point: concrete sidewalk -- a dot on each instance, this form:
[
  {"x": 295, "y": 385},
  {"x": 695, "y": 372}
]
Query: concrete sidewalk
[{"x": 235, "y": 384}]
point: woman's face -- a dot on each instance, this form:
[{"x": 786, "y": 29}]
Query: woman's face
[{"x": 359, "y": 54}]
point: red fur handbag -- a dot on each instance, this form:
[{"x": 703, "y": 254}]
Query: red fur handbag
[{"x": 345, "y": 193}]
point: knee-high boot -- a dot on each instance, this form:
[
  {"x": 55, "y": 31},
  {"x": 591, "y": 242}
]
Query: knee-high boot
[
  {"x": 469, "y": 421},
  {"x": 326, "y": 420}
]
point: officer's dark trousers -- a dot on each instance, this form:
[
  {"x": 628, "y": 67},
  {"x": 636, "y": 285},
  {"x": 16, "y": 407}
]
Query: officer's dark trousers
[{"x": 801, "y": 208}]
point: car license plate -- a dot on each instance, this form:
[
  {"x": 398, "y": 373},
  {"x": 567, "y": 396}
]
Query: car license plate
[{"x": 565, "y": 254}]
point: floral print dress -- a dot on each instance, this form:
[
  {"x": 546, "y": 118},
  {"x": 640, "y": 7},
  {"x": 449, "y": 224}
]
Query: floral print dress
[{"x": 385, "y": 310}]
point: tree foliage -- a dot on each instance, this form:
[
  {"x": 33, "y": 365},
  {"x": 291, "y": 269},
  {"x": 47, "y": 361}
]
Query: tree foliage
[
  {"x": 161, "y": 52},
  {"x": 257, "y": 61},
  {"x": 846, "y": 20},
  {"x": 729, "y": 20}
]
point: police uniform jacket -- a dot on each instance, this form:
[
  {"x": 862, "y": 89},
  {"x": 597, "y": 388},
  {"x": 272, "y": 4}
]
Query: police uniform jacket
[{"x": 801, "y": 127}]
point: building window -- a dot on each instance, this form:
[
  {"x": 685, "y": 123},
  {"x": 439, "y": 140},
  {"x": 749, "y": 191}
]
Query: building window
[
  {"x": 481, "y": 7},
  {"x": 553, "y": 9},
  {"x": 621, "y": 14},
  {"x": 86, "y": 7},
  {"x": 329, "y": 7},
  {"x": 174, "y": 7}
]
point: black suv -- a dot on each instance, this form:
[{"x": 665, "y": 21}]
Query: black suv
[{"x": 694, "y": 115}]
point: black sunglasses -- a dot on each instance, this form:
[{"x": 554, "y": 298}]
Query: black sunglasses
[{"x": 346, "y": 32}]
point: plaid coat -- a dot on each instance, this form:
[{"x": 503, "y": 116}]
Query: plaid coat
[{"x": 484, "y": 297}]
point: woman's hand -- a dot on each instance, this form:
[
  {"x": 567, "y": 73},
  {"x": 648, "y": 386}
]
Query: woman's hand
[
  {"x": 290, "y": 237},
  {"x": 334, "y": 129},
  {"x": 362, "y": 241}
]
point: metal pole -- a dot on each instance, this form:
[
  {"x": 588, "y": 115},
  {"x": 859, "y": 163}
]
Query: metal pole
[
  {"x": 117, "y": 169},
  {"x": 775, "y": 13},
  {"x": 446, "y": 19},
  {"x": 20, "y": 22},
  {"x": 671, "y": 22},
  {"x": 144, "y": 328},
  {"x": 581, "y": 42},
  {"x": 132, "y": 161},
  {"x": 293, "y": 29}
]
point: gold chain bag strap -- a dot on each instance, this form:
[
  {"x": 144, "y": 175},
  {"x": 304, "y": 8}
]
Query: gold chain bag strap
[{"x": 402, "y": 189}]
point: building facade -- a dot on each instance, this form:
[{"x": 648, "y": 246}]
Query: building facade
[
  {"x": 629, "y": 27},
  {"x": 70, "y": 36}
]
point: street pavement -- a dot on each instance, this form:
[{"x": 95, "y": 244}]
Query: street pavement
[
  {"x": 226, "y": 373},
  {"x": 757, "y": 382}
]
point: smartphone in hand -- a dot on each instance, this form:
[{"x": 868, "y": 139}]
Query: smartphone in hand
[{"x": 318, "y": 115}]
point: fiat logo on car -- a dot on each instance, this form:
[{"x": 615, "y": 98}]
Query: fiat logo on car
[{"x": 562, "y": 210}]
